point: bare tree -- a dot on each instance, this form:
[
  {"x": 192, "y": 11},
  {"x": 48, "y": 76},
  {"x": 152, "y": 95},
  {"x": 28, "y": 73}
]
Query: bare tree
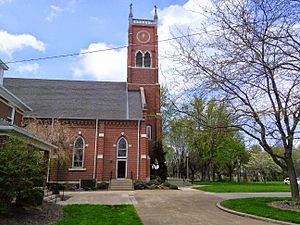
[
  {"x": 249, "y": 56},
  {"x": 57, "y": 134}
]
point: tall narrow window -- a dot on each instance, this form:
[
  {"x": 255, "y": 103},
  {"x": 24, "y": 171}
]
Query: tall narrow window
[
  {"x": 122, "y": 148},
  {"x": 149, "y": 132},
  {"x": 139, "y": 59},
  {"x": 78, "y": 152},
  {"x": 147, "y": 59}
]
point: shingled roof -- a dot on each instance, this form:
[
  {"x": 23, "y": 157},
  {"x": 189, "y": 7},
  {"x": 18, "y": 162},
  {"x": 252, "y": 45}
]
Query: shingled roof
[{"x": 76, "y": 99}]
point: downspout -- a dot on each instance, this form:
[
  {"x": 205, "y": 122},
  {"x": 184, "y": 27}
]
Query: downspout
[
  {"x": 95, "y": 151},
  {"x": 48, "y": 169},
  {"x": 138, "y": 153}
]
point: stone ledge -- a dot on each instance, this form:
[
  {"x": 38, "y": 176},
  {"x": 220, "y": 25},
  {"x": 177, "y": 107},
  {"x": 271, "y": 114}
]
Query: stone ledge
[{"x": 252, "y": 216}]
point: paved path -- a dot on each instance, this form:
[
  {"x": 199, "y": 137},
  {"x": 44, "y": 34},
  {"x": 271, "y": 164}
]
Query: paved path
[
  {"x": 100, "y": 197},
  {"x": 250, "y": 195},
  {"x": 185, "y": 207}
]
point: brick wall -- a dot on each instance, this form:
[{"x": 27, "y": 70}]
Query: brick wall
[{"x": 109, "y": 132}]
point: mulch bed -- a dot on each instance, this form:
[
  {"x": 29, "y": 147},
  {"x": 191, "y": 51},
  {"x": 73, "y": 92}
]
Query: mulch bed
[
  {"x": 50, "y": 213},
  {"x": 285, "y": 206}
]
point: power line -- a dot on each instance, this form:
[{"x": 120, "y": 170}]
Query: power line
[{"x": 95, "y": 51}]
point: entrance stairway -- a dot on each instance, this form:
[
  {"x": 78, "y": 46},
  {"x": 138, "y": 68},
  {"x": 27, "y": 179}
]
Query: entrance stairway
[{"x": 120, "y": 185}]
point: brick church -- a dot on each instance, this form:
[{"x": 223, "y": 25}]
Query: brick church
[{"x": 114, "y": 123}]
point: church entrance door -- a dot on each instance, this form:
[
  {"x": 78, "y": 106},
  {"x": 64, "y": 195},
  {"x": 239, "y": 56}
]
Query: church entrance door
[{"x": 121, "y": 169}]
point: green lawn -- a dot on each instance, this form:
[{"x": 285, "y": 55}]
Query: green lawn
[
  {"x": 99, "y": 214},
  {"x": 227, "y": 187},
  {"x": 259, "y": 207}
]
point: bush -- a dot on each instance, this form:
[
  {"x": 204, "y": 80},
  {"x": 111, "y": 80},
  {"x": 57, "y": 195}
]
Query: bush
[
  {"x": 155, "y": 180},
  {"x": 173, "y": 187},
  {"x": 33, "y": 197},
  {"x": 166, "y": 184},
  {"x": 140, "y": 185},
  {"x": 5, "y": 204},
  {"x": 55, "y": 188},
  {"x": 88, "y": 184},
  {"x": 102, "y": 186},
  {"x": 21, "y": 168}
]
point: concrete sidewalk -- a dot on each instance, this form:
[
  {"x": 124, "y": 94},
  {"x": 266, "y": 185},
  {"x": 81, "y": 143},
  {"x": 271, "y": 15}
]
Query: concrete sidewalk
[
  {"x": 185, "y": 207},
  {"x": 100, "y": 197},
  {"x": 250, "y": 195},
  {"x": 172, "y": 207}
]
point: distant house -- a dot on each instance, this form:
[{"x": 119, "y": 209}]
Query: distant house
[{"x": 115, "y": 123}]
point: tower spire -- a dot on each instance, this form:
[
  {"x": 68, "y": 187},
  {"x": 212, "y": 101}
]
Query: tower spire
[
  {"x": 155, "y": 14},
  {"x": 130, "y": 14}
]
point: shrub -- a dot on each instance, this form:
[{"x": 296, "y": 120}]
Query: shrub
[
  {"x": 55, "y": 188},
  {"x": 173, "y": 187},
  {"x": 21, "y": 168},
  {"x": 166, "y": 184},
  {"x": 5, "y": 204},
  {"x": 155, "y": 180},
  {"x": 33, "y": 197},
  {"x": 88, "y": 184},
  {"x": 140, "y": 185},
  {"x": 102, "y": 186}
]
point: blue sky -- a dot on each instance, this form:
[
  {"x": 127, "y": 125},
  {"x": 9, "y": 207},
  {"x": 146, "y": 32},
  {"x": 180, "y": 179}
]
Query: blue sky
[{"x": 32, "y": 28}]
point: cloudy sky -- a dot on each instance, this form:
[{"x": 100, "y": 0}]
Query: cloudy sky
[{"x": 32, "y": 29}]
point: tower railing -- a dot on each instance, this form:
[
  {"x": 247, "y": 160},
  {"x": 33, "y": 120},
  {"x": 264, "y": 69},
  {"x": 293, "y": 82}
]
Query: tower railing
[{"x": 144, "y": 21}]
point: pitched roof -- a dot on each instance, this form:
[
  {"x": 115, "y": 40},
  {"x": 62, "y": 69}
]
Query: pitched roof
[
  {"x": 10, "y": 97},
  {"x": 76, "y": 99}
]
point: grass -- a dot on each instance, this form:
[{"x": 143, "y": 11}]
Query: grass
[
  {"x": 230, "y": 187},
  {"x": 259, "y": 207},
  {"x": 99, "y": 214}
]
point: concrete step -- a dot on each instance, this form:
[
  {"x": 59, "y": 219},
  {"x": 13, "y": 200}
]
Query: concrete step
[{"x": 121, "y": 185}]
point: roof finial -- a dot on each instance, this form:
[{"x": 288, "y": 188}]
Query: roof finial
[
  {"x": 155, "y": 13},
  {"x": 130, "y": 14}
]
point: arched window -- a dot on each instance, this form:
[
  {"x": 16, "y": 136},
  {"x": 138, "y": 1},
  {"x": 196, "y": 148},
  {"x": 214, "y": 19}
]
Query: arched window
[
  {"x": 147, "y": 59},
  {"x": 149, "y": 131},
  {"x": 139, "y": 59},
  {"x": 78, "y": 152},
  {"x": 122, "y": 148}
]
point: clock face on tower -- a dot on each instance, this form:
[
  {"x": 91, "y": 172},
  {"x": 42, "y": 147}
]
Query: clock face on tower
[{"x": 143, "y": 36}]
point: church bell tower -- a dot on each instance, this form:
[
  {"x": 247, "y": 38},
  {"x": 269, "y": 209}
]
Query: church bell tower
[{"x": 142, "y": 68}]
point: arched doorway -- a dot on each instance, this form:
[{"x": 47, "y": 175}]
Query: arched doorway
[{"x": 122, "y": 150}]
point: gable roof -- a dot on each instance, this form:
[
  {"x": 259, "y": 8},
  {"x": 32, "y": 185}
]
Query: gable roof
[{"x": 67, "y": 99}]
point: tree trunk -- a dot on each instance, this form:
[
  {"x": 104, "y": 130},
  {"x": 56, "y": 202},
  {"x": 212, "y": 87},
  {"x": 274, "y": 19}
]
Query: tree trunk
[
  {"x": 213, "y": 174},
  {"x": 292, "y": 175},
  {"x": 230, "y": 171},
  {"x": 219, "y": 177}
]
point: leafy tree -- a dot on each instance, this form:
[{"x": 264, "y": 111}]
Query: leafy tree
[
  {"x": 231, "y": 155},
  {"x": 261, "y": 164},
  {"x": 158, "y": 158},
  {"x": 21, "y": 169},
  {"x": 248, "y": 56}
]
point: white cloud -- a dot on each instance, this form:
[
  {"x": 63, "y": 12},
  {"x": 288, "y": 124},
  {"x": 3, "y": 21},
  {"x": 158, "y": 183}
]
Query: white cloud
[
  {"x": 2, "y": 2},
  {"x": 175, "y": 21},
  {"x": 105, "y": 66},
  {"x": 111, "y": 65},
  {"x": 27, "y": 67},
  {"x": 55, "y": 10},
  {"x": 10, "y": 43}
]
